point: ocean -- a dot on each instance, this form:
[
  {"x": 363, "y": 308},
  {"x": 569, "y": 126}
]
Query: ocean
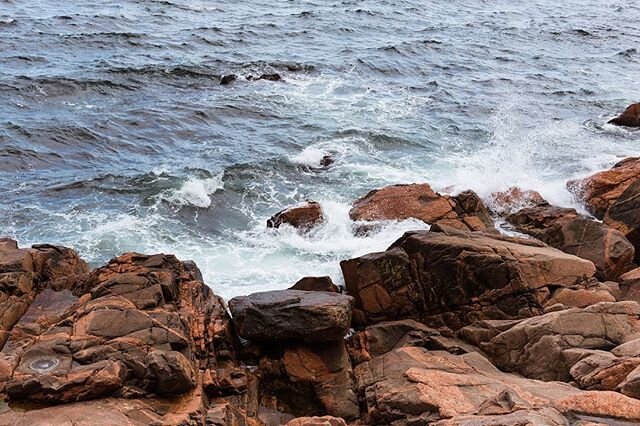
[{"x": 116, "y": 134}]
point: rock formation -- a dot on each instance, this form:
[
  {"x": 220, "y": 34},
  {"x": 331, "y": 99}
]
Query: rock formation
[
  {"x": 304, "y": 216},
  {"x": 457, "y": 325},
  {"x": 602, "y": 189},
  {"x": 454, "y": 277},
  {"x": 513, "y": 199},
  {"x": 465, "y": 211},
  {"x": 575, "y": 234},
  {"x": 612, "y": 195},
  {"x": 629, "y": 118}
]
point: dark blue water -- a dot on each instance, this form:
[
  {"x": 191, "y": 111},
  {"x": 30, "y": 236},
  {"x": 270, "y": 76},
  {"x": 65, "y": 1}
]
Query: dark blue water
[{"x": 115, "y": 134}]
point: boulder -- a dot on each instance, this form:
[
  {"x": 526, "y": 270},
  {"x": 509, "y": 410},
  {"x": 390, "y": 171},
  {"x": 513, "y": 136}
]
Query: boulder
[
  {"x": 599, "y": 370},
  {"x": 172, "y": 370},
  {"x": 629, "y": 118},
  {"x": 630, "y": 386},
  {"x": 544, "y": 416},
  {"x": 378, "y": 339},
  {"x": 624, "y": 214},
  {"x": 413, "y": 385},
  {"x": 316, "y": 284},
  {"x": 564, "y": 229},
  {"x": 304, "y": 216},
  {"x": 544, "y": 347},
  {"x": 141, "y": 322},
  {"x": 513, "y": 199},
  {"x": 602, "y": 189},
  {"x": 630, "y": 285},
  {"x": 454, "y": 278},
  {"x": 284, "y": 315},
  {"x": 327, "y": 368},
  {"x": 25, "y": 272},
  {"x": 228, "y": 79},
  {"x": 317, "y": 421},
  {"x": 399, "y": 202}
]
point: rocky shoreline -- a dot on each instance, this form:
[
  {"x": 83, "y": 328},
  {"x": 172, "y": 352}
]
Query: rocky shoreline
[{"x": 457, "y": 325}]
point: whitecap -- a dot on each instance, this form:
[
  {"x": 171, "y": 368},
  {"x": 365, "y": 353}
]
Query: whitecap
[{"x": 194, "y": 192}]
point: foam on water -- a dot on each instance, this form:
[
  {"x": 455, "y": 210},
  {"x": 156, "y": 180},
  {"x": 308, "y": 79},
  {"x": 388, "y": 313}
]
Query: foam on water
[
  {"x": 262, "y": 259},
  {"x": 532, "y": 151},
  {"x": 194, "y": 192}
]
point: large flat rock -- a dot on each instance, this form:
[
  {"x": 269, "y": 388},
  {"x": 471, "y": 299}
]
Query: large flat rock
[
  {"x": 311, "y": 316},
  {"x": 458, "y": 277}
]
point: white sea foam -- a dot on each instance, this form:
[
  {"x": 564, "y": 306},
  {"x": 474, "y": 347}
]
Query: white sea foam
[
  {"x": 195, "y": 192},
  {"x": 263, "y": 259},
  {"x": 539, "y": 154}
]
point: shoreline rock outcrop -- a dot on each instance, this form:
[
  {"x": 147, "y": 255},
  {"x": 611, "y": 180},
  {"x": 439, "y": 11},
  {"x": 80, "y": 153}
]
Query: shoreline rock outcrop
[
  {"x": 465, "y": 211},
  {"x": 453, "y": 277},
  {"x": 566, "y": 230},
  {"x": 457, "y": 325},
  {"x": 614, "y": 196}
]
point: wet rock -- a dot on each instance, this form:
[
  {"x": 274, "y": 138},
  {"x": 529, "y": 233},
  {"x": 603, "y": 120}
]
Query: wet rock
[
  {"x": 629, "y": 118},
  {"x": 274, "y": 316},
  {"x": 316, "y": 284},
  {"x": 472, "y": 211},
  {"x": 540, "y": 347},
  {"x": 564, "y": 229},
  {"x": 269, "y": 77},
  {"x": 514, "y": 199},
  {"x": 455, "y": 278},
  {"x": 624, "y": 214},
  {"x": 399, "y": 202},
  {"x": 303, "y": 216},
  {"x": 317, "y": 421},
  {"x": 602, "y": 189},
  {"x": 228, "y": 79},
  {"x": 327, "y": 160}
]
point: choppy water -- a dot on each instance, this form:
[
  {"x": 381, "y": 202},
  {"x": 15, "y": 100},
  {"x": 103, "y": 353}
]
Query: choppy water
[{"x": 115, "y": 134}]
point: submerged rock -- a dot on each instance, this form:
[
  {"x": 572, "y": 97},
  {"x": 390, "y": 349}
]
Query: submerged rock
[
  {"x": 269, "y": 77},
  {"x": 304, "y": 216},
  {"x": 629, "y": 118},
  {"x": 274, "y": 316},
  {"x": 228, "y": 79}
]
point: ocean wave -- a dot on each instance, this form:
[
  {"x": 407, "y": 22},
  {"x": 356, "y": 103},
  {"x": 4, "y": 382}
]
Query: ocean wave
[{"x": 194, "y": 192}]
